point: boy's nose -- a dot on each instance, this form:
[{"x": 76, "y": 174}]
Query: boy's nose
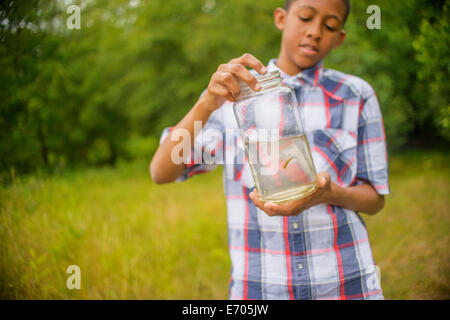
[{"x": 314, "y": 31}]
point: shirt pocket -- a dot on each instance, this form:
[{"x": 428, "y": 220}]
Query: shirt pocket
[{"x": 334, "y": 151}]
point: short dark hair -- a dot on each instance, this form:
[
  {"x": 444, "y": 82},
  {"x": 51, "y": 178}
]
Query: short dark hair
[{"x": 346, "y": 3}]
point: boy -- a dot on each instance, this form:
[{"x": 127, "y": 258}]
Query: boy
[{"x": 316, "y": 247}]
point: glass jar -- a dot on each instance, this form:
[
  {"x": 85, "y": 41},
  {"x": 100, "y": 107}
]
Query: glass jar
[{"x": 275, "y": 143}]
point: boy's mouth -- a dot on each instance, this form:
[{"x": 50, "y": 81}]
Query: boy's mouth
[{"x": 309, "y": 49}]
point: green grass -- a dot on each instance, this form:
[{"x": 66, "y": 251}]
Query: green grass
[
  {"x": 411, "y": 236},
  {"x": 135, "y": 240}
]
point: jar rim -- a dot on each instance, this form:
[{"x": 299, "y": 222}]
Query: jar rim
[{"x": 267, "y": 81}]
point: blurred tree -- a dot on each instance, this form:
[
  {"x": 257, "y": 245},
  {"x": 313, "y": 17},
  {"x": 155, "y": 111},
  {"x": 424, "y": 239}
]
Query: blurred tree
[
  {"x": 432, "y": 52},
  {"x": 23, "y": 143},
  {"x": 105, "y": 92},
  {"x": 387, "y": 59}
]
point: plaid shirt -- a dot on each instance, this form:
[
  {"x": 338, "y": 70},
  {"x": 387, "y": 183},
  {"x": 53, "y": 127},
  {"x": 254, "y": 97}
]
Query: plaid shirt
[{"x": 324, "y": 252}]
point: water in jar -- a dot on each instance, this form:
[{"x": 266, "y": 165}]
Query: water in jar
[{"x": 282, "y": 171}]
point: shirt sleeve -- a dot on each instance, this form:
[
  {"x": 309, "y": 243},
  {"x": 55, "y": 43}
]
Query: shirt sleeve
[
  {"x": 372, "y": 154},
  {"x": 207, "y": 152}
]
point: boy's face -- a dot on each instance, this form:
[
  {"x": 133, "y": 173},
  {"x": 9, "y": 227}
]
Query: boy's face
[{"x": 311, "y": 29}]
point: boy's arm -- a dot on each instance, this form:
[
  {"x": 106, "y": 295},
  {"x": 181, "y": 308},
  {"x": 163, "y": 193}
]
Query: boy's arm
[
  {"x": 361, "y": 198},
  {"x": 222, "y": 86},
  {"x": 162, "y": 168}
]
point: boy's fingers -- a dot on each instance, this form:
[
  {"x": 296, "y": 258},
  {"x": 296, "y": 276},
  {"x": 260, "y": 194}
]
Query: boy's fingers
[
  {"x": 254, "y": 196},
  {"x": 228, "y": 74},
  {"x": 323, "y": 179},
  {"x": 272, "y": 209},
  {"x": 280, "y": 209},
  {"x": 227, "y": 80},
  {"x": 290, "y": 208},
  {"x": 249, "y": 60},
  {"x": 227, "y": 86},
  {"x": 220, "y": 90},
  {"x": 258, "y": 203},
  {"x": 241, "y": 73}
]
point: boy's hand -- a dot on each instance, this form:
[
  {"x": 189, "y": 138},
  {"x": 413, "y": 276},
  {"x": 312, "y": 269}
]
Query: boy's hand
[
  {"x": 295, "y": 207},
  {"x": 224, "y": 82}
]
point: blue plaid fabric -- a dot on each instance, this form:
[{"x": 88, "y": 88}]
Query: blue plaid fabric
[{"x": 324, "y": 252}]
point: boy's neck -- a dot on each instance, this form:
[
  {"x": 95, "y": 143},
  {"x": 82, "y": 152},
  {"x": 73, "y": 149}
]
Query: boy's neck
[{"x": 289, "y": 68}]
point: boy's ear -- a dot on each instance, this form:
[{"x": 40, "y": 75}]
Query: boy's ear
[
  {"x": 279, "y": 17},
  {"x": 341, "y": 39}
]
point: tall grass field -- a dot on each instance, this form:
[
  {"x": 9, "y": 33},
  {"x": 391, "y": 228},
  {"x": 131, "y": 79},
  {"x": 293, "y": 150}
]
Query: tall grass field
[{"x": 133, "y": 239}]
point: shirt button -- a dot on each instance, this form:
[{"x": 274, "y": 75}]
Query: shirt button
[
  {"x": 299, "y": 266},
  {"x": 295, "y": 225}
]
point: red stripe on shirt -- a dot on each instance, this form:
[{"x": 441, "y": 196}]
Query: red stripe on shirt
[
  {"x": 330, "y": 94},
  {"x": 327, "y": 94},
  {"x": 300, "y": 253},
  {"x": 238, "y": 173},
  {"x": 371, "y": 140},
  {"x": 316, "y": 77},
  {"x": 327, "y": 109},
  {"x": 338, "y": 133},
  {"x": 351, "y": 102},
  {"x": 325, "y": 250},
  {"x": 361, "y": 106},
  {"x": 357, "y": 296},
  {"x": 191, "y": 173},
  {"x": 332, "y": 164},
  {"x": 338, "y": 254},
  {"x": 347, "y": 165},
  {"x": 340, "y": 84},
  {"x": 288, "y": 257},
  {"x": 258, "y": 250}
]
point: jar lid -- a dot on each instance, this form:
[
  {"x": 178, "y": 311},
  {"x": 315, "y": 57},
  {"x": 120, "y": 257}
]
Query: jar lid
[{"x": 267, "y": 81}]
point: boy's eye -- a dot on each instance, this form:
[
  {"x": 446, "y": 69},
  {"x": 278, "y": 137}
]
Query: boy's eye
[
  {"x": 304, "y": 19},
  {"x": 330, "y": 28}
]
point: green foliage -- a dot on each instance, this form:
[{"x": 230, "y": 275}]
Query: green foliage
[
  {"x": 433, "y": 52},
  {"x": 104, "y": 93},
  {"x": 387, "y": 60}
]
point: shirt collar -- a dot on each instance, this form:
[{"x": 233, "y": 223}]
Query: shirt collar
[{"x": 312, "y": 76}]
